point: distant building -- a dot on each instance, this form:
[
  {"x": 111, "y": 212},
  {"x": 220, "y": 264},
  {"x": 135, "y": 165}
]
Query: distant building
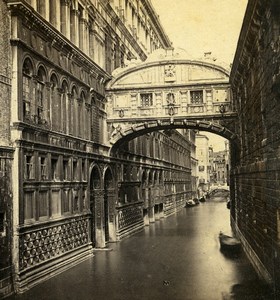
[
  {"x": 219, "y": 171},
  {"x": 202, "y": 155}
]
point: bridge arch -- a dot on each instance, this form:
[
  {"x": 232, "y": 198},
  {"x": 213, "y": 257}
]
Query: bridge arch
[
  {"x": 122, "y": 135},
  {"x": 169, "y": 91}
]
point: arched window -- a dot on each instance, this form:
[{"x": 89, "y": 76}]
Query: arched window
[
  {"x": 81, "y": 115},
  {"x": 64, "y": 104},
  {"x": 41, "y": 103},
  {"x": 27, "y": 89},
  {"x": 75, "y": 111},
  {"x": 54, "y": 103},
  {"x": 94, "y": 122}
]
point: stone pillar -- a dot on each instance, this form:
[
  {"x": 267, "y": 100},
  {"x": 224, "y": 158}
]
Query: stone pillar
[
  {"x": 47, "y": 109},
  {"x": 134, "y": 104},
  {"x": 47, "y": 10},
  {"x": 146, "y": 217},
  {"x": 152, "y": 214},
  {"x": 75, "y": 26},
  {"x": 111, "y": 197},
  {"x": 209, "y": 100},
  {"x": 91, "y": 43},
  {"x": 159, "y": 102},
  {"x": 65, "y": 18},
  {"x": 99, "y": 219},
  {"x": 82, "y": 34}
]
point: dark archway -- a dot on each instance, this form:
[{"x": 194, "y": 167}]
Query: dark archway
[
  {"x": 127, "y": 133},
  {"x": 95, "y": 185},
  {"x": 109, "y": 197}
]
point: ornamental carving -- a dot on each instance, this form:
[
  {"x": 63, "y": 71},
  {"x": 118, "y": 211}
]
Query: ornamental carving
[
  {"x": 129, "y": 216},
  {"x": 169, "y": 73},
  {"x": 44, "y": 244}
]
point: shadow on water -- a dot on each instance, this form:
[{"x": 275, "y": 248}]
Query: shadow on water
[{"x": 244, "y": 291}]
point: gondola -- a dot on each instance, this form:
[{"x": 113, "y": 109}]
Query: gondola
[
  {"x": 202, "y": 199},
  {"x": 190, "y": 203},
  {"x": 229, "y": 243}
]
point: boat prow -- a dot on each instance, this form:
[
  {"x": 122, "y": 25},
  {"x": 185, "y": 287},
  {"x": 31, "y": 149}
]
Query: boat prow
[{"x": 229, "y": 243}]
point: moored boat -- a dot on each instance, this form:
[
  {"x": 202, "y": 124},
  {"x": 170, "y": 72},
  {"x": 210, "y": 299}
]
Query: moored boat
[
  {"x": 190, "y": 203},
  {"x": 229, "y": 243}
]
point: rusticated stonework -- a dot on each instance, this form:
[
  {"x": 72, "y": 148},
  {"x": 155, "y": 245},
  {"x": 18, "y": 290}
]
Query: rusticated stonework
[{"x": 38, "y": 246}]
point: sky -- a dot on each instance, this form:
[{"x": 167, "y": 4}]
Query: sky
[{"x": 199, "y": 26}]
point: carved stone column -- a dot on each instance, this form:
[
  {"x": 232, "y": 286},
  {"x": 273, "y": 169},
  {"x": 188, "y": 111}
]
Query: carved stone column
[{"x": 209, "y": 100}]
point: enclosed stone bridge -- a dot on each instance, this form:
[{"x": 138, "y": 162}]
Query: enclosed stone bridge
[{"x": 168, "y": 92}]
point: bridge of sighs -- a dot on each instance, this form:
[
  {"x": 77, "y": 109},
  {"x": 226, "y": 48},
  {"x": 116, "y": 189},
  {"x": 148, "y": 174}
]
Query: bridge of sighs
[{"x": 169, "y": 91}]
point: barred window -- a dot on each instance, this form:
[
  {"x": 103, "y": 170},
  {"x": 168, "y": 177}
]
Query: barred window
[
  {"x": 146, "y": 99},
  {"x": 196, "y": 97},
  {"x": 201, "y": 168}
]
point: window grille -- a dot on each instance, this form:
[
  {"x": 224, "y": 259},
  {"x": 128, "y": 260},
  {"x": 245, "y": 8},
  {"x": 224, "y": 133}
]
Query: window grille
[
  {"x": 146, "y": 99},
  {"x": 196, "y": 97}
]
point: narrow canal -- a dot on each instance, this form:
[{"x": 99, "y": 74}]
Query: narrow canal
[{"x": 177, "y": 258}]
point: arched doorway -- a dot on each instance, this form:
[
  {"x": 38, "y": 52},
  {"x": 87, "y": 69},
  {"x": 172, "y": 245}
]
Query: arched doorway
[
  {"x": 109, "y": 223},
  {"x": 95, "y": 185}
]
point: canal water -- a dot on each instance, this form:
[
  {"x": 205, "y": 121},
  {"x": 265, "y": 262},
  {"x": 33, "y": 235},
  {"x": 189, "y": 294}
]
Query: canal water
[{"x": 176, "y": 258}]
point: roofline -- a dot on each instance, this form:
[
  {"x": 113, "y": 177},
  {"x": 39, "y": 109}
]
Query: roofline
[
  {"x": 155, "y": 19},
  {"x": 251, "y": 6},
  {"x": 145, "y": 65}
]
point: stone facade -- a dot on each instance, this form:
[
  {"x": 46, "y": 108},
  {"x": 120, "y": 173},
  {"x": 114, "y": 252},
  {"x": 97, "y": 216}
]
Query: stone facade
[
  {"x": 255, "y": 174},
  {"x": 70, "y": 195}
]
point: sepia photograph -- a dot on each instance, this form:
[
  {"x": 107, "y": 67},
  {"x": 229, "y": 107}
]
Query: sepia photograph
[{"x": 139, "y": 149}]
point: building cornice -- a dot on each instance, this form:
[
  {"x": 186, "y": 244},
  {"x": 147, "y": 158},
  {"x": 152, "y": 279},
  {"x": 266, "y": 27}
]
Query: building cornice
[
  {"x": 54, "y": 37},
  {"x": 119, "y": 23},
  {"x": 156, "y": 23},
  {"x": 251, "y": 24}
]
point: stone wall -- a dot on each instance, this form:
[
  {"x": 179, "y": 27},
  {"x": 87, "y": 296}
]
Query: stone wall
[
  {"x": 255, "y": 80},
  {"x": 6, "y": 270},
  {"x": 5, "y": 71}
]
